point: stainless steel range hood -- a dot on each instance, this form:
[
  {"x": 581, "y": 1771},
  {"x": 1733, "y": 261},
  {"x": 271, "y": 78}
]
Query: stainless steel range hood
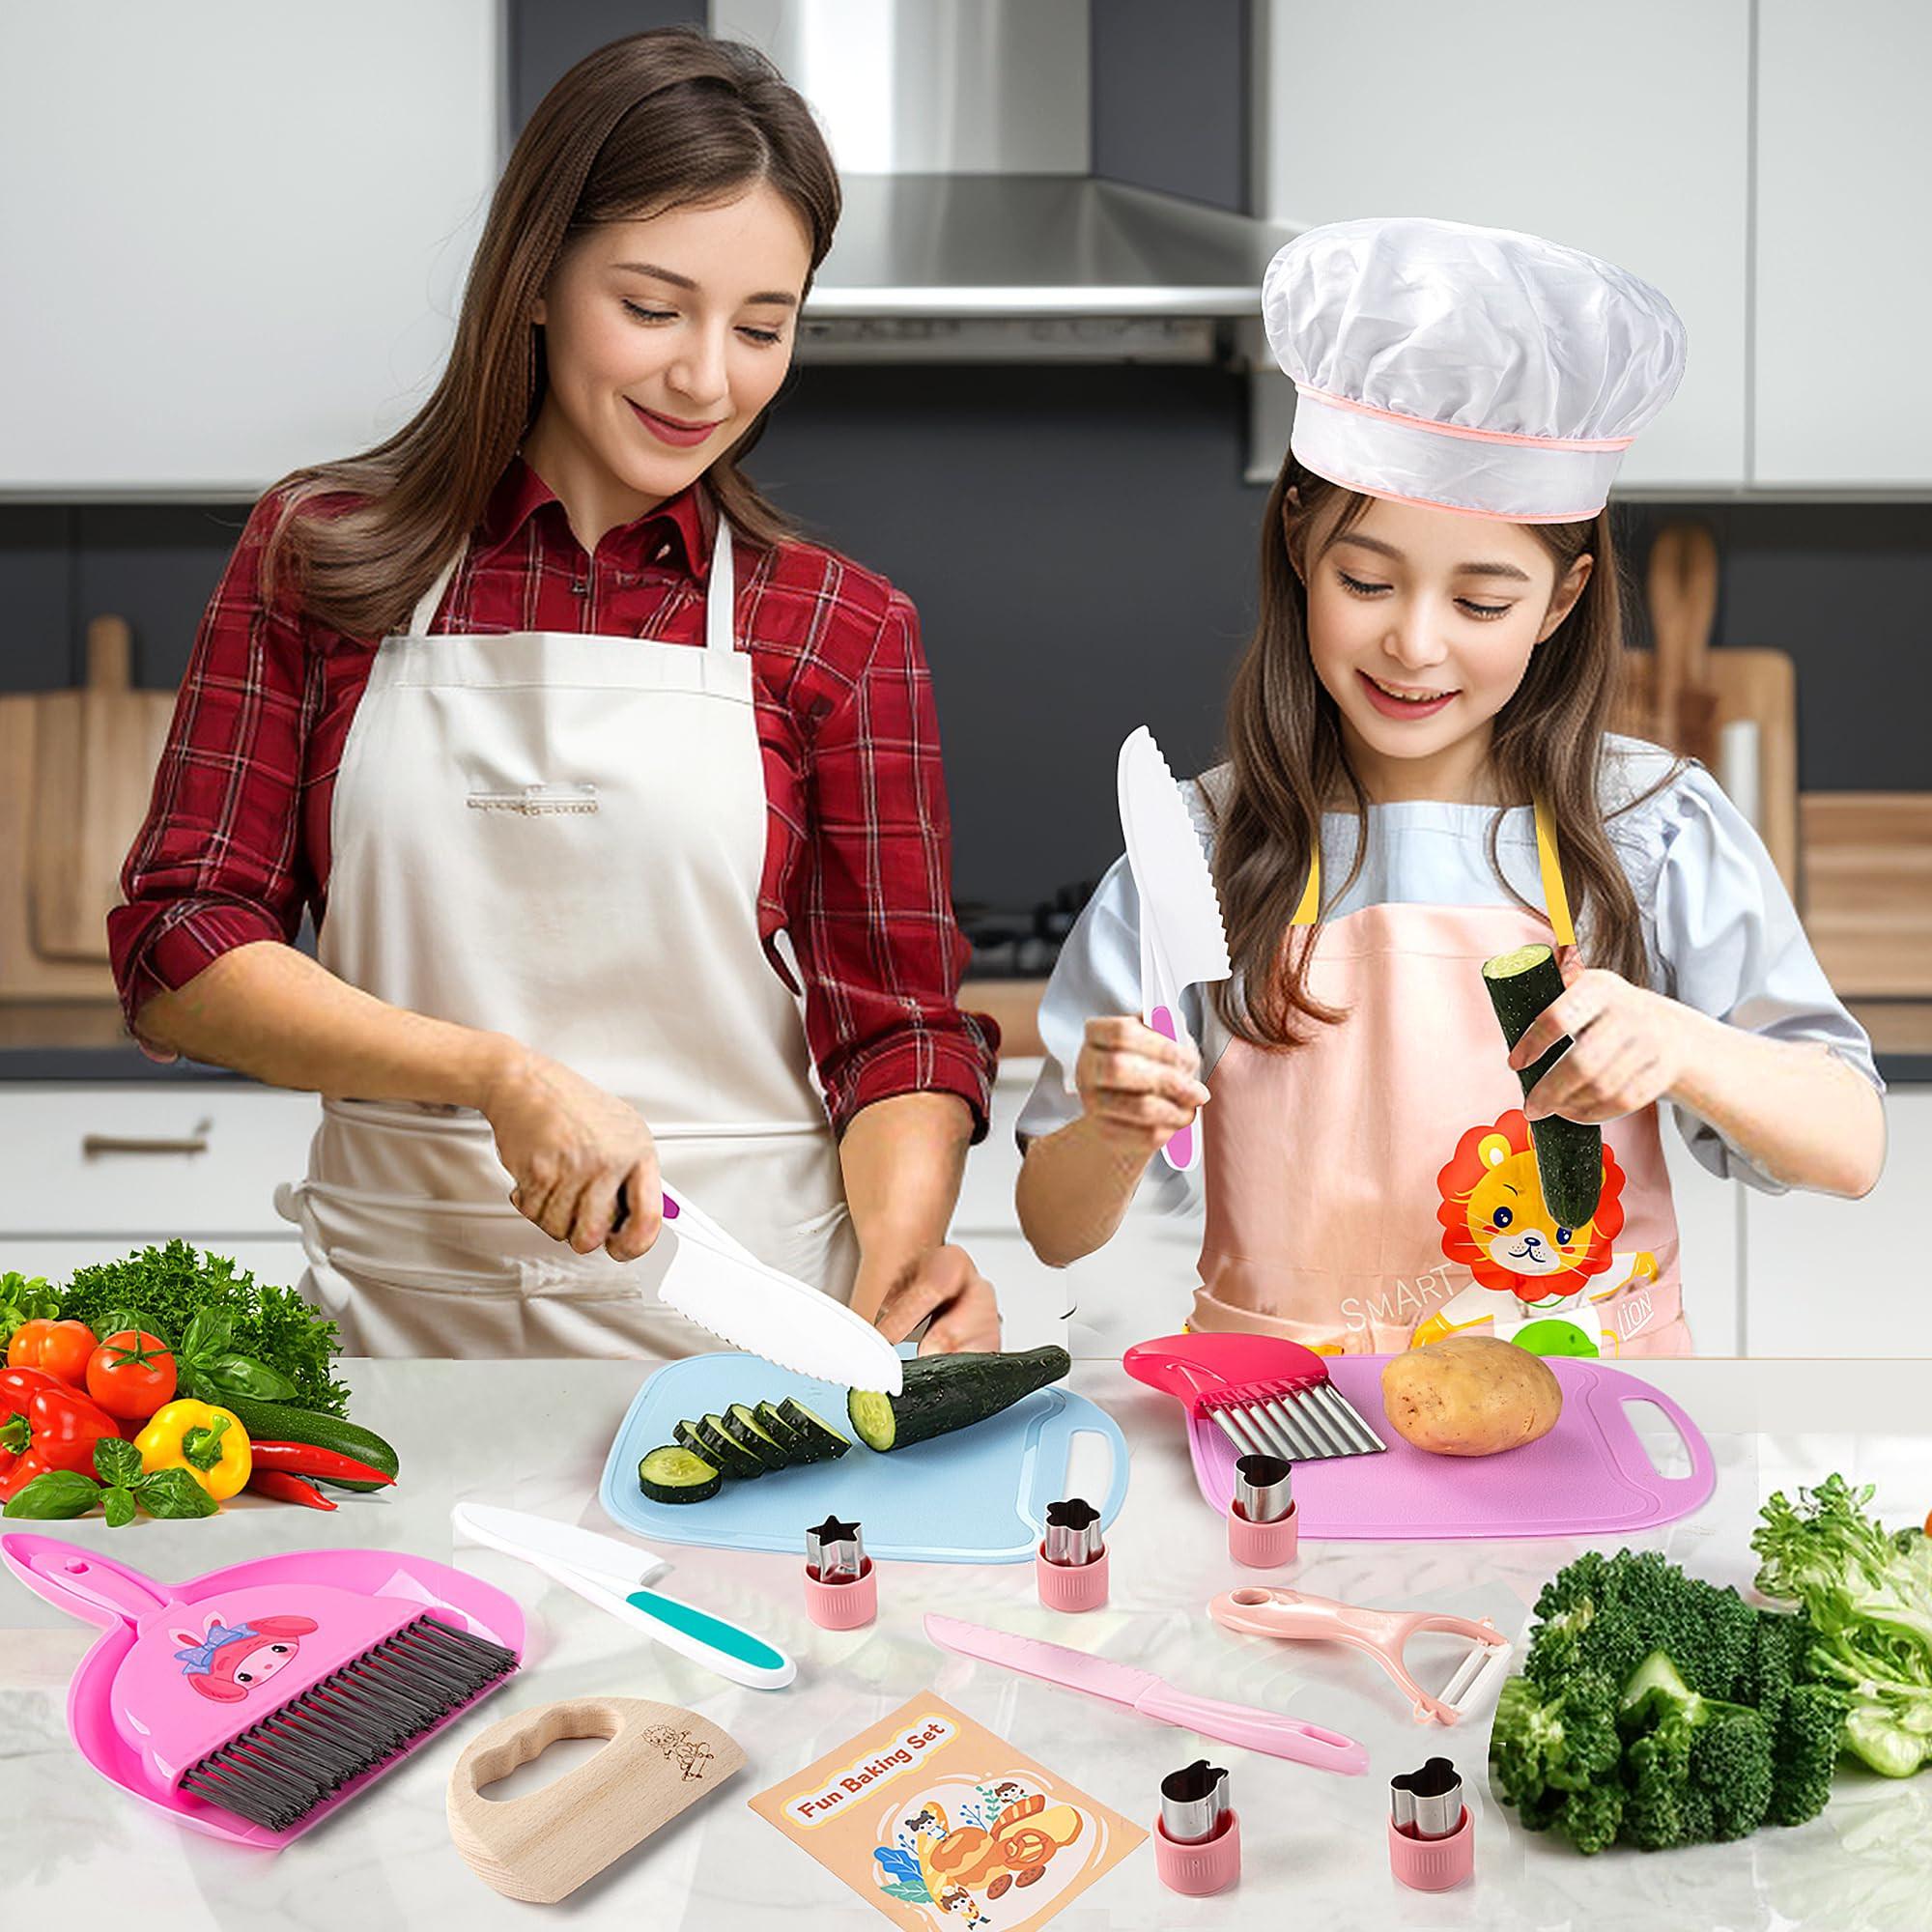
[{"x": 973, "y": 229}]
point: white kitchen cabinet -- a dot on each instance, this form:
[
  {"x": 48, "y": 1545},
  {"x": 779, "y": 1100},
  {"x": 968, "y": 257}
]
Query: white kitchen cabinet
[
  {"x": 1834, "y": 1277},
  {"x": 80, "y": 1160},
  {"x": 1843, "y": 382},
  {"x": 1632, "y": 144}
]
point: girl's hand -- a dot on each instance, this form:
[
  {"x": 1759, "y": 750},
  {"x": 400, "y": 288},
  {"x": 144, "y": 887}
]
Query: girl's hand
[
  {"x": 570, "y": 1146},
  {"x": 1138, "y": 1086},
  {"x": 943, "y": 1283},
  {"x": 1628, "y": 1047}
]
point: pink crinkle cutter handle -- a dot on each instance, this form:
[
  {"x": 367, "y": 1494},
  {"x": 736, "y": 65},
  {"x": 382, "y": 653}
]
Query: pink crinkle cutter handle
[{"x": 1258, "y": 1612}]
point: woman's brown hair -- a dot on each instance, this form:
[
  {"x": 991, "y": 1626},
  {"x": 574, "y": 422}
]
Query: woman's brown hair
[
  {"x": 1288, "y": 761},
  {"x": 665, "y": 119}
]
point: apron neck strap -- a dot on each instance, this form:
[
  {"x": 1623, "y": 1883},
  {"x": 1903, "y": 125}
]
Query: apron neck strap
[
  {"x": 720, "y": 593},
  {"x": 431, "y": 601},
  {"x": 1554, "y": 898}
]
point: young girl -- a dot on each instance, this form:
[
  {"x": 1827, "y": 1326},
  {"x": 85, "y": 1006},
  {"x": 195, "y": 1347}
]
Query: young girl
[
  {"x": 618, "y": 807},
  {"x": 1427, "y": 690}
]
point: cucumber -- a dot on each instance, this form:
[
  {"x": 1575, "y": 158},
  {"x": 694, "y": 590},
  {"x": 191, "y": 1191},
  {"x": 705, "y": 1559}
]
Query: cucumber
[
  {"x": 742, "y": 1426},
  {"x": 674, "y": 1475},
  {"x": 822, "y": 1442},
  {"x": 1569, "y": 1154},
  {"x": 686, "y": 1433},
  {"x": 783, "y": 1433},
  {"x": 732, "y": 1459},
  {"x": 943, "y": 1393},
  {"x": 283, "y": 1422}
]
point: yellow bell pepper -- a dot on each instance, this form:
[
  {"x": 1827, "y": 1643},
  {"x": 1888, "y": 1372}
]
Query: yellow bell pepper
[{"x": 210, "y": 1443}]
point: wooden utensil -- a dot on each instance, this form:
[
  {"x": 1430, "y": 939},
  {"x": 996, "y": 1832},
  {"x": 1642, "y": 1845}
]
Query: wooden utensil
[
  {"x": 1868, "y": 891},
  {"x": 542, "y": 1847},
  {"x": 94, "y": 753},
  {"x": 1683, "y": 597}
]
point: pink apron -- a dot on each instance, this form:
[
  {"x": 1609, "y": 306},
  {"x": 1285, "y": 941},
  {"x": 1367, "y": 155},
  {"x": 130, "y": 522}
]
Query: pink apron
[{"x": 1351, "y": 1182}]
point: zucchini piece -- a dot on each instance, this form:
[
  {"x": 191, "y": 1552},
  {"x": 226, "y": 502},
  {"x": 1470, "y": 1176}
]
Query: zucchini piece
[
  {"x": 822, "y": 1442},
  {"x": 943, "y": 1393},
  {"x": 284, "y": 1422},
  {"x": 742, "y": 1426},
  {"x": 732, "y": 1459},
  {"x": 673, "y": 1474},
  {"x": 783, "y": 1433},
  {"x": 1569, "y": 1154}
]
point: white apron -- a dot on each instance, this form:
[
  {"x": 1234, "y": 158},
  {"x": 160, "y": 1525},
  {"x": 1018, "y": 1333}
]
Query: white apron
[{"x": 561, "y": 837}]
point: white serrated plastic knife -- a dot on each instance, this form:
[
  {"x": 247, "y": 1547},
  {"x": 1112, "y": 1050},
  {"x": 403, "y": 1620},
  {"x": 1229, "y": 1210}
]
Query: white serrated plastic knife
[
  {"x": 1183, "y": 942},
  {"x": 716, "y": 1282},
  {"x": 610, "y": 1574}
]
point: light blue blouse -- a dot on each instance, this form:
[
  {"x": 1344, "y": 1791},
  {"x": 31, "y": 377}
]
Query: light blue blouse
[{"x": 1718, "y": 928}]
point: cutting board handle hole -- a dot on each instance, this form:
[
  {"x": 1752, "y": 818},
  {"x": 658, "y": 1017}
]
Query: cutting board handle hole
[
  {"x": 555, "y": 1760},
  {"x": 1660, "y": 1438},
  {"x": 1089, "y": 1467}
]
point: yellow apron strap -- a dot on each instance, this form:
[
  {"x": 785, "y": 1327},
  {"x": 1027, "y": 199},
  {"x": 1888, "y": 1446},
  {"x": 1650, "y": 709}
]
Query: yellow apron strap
[
  {"x": 1311, "y": 897},
  {"x": 1554, "y": 898}
]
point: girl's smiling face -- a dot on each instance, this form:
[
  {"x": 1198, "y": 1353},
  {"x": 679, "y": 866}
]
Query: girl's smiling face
[
  {"x": 663, "y": 338},
  {"x": 1420, "y": 625}
]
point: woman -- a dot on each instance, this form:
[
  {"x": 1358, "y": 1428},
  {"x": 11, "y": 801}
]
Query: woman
[{"x": 620, "y": 810}]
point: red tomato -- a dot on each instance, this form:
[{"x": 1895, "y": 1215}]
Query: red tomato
[
  {"x": 59, "y": 1347},
  {"x": 132, "y": 1374}
]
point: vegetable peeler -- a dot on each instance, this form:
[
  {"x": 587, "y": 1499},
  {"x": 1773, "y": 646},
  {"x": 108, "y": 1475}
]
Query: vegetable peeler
[
  {"x": 1269, "y": 1397},
  {"x": 1258, "y": 1612}
]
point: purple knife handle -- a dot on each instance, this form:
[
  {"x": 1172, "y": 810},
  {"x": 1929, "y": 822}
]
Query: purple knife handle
[
  {"x": 1269, "y": 1731},
  {"x": 1180, "y": 1148}
]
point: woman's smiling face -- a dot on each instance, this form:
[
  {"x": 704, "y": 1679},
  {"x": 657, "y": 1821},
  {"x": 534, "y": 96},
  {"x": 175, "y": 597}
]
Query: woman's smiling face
[
  {"x": 1420, "y": 624},
  {"x": 663, "y": 338}
]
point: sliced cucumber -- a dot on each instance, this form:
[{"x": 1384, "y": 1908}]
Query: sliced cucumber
[
  {"x": 822, "y": 1442},
  {"x": 673, "y": 1474},
  {"x": 943, "y": 1393},
  {"x": 732, "y": 1459},
  {"x": 742, "y": 1426},
  {"x": 782, "y": 1433},
  {"x": 686, "y": 1433}
]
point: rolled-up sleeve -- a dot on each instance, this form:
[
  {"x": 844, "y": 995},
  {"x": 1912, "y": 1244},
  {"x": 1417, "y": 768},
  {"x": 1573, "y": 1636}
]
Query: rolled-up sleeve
[
  {"x": 878, "y": 947},
  {"x": 1728, "y": 942},
  {"x": 219, "y": 860}
]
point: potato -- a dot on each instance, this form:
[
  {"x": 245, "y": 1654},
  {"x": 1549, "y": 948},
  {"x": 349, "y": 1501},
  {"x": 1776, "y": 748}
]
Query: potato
[{"x": 1470, "y": 1394}]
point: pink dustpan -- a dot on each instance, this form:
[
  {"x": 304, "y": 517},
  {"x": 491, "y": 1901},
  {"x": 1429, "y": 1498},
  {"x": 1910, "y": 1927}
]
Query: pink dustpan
[{"x": 316, "y": 1654}]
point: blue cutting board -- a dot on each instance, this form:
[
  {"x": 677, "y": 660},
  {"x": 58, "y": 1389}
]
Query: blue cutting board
[{"x": 977, "y": 1495}]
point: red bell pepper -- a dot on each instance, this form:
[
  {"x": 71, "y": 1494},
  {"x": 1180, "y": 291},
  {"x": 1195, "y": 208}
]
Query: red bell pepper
[
  {"x": 61, "y": 1348},
  {"x": 47, "y": 1426}
]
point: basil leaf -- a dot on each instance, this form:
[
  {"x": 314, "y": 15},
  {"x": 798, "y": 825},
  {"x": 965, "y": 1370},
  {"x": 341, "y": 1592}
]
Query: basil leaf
[
  {"x": 115, "y": 1461},
  {"x": 171, "y": 1493},
  {"x": 55, "y": 1494},
  {"x": 120, "y": 1508},
  {"x": 243, "y": 1375},
  {"x": 208, "y": 1334}
]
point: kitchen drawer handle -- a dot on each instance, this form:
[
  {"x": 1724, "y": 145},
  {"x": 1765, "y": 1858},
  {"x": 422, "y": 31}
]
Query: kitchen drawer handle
[{"x": 194, "y": 1143}]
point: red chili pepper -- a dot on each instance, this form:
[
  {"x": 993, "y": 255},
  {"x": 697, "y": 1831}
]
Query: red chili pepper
[
  {"x": 49, "y": 1424},
  {"x": 303, "y": 1459},
  {"x": 288, "y": 1488}
]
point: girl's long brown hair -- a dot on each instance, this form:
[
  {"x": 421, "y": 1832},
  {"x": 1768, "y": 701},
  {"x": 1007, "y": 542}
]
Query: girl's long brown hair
[
  {"x": 665, "y": 119},
  {"x": 1288, "y": 761}
]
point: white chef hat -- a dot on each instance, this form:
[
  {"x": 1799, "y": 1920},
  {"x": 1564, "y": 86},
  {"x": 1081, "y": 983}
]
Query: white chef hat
[{"x": 1467, "y": 368}]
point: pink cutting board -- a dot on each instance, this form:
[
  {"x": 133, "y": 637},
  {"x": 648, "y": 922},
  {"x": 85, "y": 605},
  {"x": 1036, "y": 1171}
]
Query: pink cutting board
[{"x": 1589, "y": 1475}]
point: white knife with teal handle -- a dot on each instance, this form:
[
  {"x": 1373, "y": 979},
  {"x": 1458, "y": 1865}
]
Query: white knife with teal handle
[{"x": 610, "y": 1574}]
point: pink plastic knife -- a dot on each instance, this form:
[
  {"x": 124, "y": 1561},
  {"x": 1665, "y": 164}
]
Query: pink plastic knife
[{"x": 1269, "y": 1731}]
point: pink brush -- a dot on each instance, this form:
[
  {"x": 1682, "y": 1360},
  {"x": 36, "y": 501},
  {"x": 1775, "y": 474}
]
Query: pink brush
[
  {"x": 250, "y": 1702},
  {"x": 1382, "y": 1633},
  {"x": 1269, "y": 1397}
]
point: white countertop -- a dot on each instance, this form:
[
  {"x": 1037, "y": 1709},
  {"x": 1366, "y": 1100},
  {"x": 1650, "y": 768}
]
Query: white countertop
[{"x": 75, "y": 1851}]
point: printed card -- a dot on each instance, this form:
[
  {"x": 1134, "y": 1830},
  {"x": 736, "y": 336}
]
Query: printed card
[{"x": 946, "y": 1828}]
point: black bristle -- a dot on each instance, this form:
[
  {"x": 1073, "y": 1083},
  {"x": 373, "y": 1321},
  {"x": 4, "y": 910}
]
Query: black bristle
[{"x": 277, "y": 1771}]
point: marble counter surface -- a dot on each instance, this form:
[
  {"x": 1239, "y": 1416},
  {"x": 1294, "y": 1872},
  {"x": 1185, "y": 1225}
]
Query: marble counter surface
[{"x": 78, "y": 1853}]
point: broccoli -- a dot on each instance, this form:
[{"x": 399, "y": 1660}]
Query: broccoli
[{"x": 1656, "y": 1709}]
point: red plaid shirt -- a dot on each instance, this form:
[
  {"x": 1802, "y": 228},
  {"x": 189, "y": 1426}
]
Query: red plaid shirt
[{"x": 858, "y": 854}]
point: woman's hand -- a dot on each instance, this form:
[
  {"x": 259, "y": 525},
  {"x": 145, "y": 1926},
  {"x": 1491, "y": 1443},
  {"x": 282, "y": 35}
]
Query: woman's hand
[
  {"x": 943, "y": 1283},
  {"x": 1137, "y": 1086},
  {"x": 570, "y": 1146},
  {"x": 1628, "y": 1047}
]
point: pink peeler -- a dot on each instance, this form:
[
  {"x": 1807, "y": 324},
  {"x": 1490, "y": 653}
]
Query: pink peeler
[{"x": 1259, "y": 1611}]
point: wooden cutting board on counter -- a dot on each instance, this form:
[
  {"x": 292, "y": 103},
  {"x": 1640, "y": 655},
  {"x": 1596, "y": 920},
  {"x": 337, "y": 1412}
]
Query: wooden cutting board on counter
[
  {"x": 77, "y": 768},
  {"x": 1868, "y": 891}
]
